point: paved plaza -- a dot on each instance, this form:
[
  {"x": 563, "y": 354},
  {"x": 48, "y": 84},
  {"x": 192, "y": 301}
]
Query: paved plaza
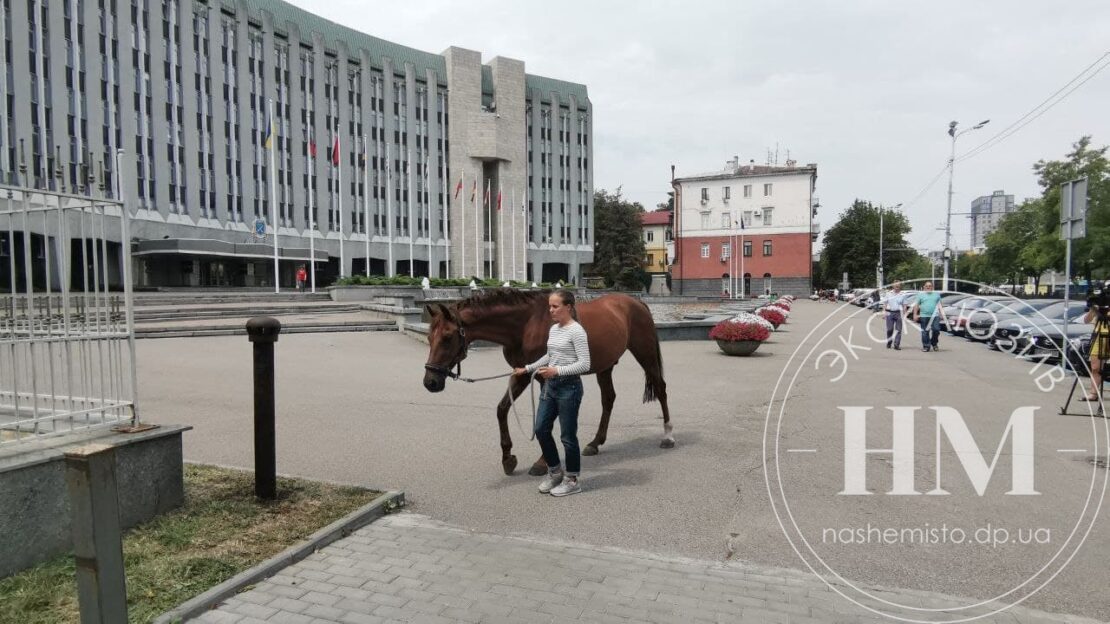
[{"x": 351, "y": 408}]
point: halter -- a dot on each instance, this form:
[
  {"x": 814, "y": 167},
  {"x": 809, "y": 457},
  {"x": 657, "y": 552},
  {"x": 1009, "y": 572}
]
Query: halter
[{"x": 446, "y": 370}]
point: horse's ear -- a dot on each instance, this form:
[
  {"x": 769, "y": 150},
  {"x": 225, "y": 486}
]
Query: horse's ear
[
  {"x": 450, "y": 312},
  {"x": 433, "y": 310}
]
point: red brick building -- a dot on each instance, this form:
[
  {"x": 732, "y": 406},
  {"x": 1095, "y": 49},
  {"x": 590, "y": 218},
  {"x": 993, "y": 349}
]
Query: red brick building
[{"x": 772, "y": 252}]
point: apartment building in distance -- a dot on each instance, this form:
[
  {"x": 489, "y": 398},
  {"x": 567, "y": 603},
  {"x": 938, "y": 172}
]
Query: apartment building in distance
[
  {"x": 986, "y": 213},
  {"x": 368, "y": 140},
  {"x": 764, "y": 212}
]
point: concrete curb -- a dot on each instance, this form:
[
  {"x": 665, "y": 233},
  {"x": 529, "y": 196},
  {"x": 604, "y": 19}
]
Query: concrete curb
[{"x": 339, "y": 529}]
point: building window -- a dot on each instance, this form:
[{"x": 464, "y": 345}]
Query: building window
[
  {"x": 649, "y": 260},
  {"x": 747, "y": 249},
  {"x": 705, "y": 224},
  {"x": 746, "y": 218},
  {"x": 705, "y": 250},
  {"x": 726, "y": 251},
  {"x": 767, "y": 215},
  {"x": 726, "y": 221},
  {"x": 726, "y": 194},
  {"x": 766, "y": 247},
  {"x": 747, "y": 190},
  {"x": 767, "y": 190},
  {"x": 669, "y": 235},
  {"x": 650, "y": 236},
  {"x": 704, "y": 194},
  {"x": 766, "y": 283}
]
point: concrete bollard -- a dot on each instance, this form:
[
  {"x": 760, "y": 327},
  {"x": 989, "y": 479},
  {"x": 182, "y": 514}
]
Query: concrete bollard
[
  {"x": 263, "y": 332},
  {"x": 97, "y": 541}
]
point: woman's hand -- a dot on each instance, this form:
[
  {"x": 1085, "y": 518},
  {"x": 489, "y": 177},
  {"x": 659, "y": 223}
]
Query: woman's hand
[
  {"x": 547, "y": 372},
  {"x": 517, "y": 372}
]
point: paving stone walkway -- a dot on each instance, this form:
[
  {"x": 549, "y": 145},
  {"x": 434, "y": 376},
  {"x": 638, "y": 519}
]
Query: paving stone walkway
[{"x": 409, "y": 568}]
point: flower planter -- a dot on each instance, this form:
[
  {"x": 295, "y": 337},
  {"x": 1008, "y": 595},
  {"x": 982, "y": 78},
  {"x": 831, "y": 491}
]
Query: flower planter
[{"x": 738, "y": 347}]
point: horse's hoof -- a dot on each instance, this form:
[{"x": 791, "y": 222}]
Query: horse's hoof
[
  {"x": 537, "y": 470},
  {"x": 668, "y": 443},
  {"x": 589, "y": 450},
  {"x": 509, "y": 464}
]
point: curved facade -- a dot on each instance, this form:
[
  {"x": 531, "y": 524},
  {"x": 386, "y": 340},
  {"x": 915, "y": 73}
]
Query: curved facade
[{"x": 184, "y": 89}]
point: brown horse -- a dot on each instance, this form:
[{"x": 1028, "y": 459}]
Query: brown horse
[{"x": 519, "y": 321}]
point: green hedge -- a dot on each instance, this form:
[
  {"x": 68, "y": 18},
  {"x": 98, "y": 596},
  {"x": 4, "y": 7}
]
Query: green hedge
[{"x": 404, "y": 280}]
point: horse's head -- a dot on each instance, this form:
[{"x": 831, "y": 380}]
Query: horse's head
[{"x": 446, "y": 346}]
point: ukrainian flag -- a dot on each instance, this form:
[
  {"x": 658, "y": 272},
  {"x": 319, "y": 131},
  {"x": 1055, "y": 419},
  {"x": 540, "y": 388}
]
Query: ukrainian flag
[{"x": 268, "y": 138}]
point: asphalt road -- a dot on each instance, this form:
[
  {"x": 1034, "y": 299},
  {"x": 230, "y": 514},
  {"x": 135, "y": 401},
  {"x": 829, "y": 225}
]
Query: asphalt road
[{"x": 352, "y": 409}]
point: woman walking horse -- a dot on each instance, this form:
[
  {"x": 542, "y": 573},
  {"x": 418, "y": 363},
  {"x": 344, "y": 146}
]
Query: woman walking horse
[{"x": 519, "y": 321}]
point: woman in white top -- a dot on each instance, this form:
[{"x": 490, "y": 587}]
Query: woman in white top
[{"x": 567, "y": 357}]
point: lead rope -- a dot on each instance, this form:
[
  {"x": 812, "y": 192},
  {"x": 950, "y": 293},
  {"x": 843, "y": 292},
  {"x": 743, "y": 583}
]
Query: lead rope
[{"x": 512, "y": 403}]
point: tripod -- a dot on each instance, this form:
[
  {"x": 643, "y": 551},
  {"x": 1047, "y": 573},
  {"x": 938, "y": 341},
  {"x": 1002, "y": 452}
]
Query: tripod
[{"x": 1101, "y": 334}]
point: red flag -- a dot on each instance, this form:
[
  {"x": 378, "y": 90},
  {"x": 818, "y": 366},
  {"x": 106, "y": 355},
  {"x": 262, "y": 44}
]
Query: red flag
[
  {"x": 473, "y": 190},
  {"x": 498, "y": 200},
  {"x": 458, "y": 189},
  {"x": 312, "y": 148},
  {"x": 335, "y": 152},
  {"x": 485, "y": 196}
]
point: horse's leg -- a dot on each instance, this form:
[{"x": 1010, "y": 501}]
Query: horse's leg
[
  {"x": 508, "y": 460},
  {"x": 647, "y": 353},
  {"x": 608, "y": 397}
]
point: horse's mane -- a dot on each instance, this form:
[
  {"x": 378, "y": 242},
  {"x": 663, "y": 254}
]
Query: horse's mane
[{"x": 502, "y": 297}]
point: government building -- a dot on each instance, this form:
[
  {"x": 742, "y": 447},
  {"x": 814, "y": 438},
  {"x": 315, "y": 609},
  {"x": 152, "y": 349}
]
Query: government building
[
  {"x": 238, "y": 118},
  {"x": 746, "y": 225}
]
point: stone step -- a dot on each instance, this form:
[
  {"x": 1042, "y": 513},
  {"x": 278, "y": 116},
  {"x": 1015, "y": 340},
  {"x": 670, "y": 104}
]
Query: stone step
[
  {"x": 187, "y": 298},
  {"x": 211, "y": 312}
]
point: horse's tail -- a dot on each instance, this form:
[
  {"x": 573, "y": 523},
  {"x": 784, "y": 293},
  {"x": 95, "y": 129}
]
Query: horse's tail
[{"x": 650, "y": 391}]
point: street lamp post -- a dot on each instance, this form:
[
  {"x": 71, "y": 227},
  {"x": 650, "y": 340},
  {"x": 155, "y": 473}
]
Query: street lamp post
[
  {"x": 951, "y": 166},
  {"x": 881, "y": 273}
]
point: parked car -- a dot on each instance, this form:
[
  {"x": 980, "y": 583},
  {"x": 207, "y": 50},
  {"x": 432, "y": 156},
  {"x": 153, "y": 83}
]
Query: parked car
[
  {"x": 1017, "y": 335},
  {"x": 982, "y": 323},
  {"x": 957, "y": 314}
]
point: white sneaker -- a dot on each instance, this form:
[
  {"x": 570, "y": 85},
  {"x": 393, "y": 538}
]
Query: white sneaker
[
  {"x": 567, "y": 487},
  {"x": 550, "y": 481}
]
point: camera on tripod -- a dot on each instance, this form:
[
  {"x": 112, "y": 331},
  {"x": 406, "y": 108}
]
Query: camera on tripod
[{"x": 1100, "y": 301}]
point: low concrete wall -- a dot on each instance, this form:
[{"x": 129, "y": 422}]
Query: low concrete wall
[
  {"x": 34, "y": 504},
  {"x": 667, "y": 330}
]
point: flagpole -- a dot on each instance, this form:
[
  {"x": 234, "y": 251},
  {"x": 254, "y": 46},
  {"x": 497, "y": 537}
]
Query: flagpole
[
  {"x": 477, "y": 231},
  {"x": 273, "y": 199},
  {"x": 311, "y": 194},
  {"x": 741, "y": 260},
  {"x": 489, "y": 220},
  {"x": 462, "y": 227},
  {"x": 524, "y": 232},
  {"x": 366, "y": 199},
  {"x": 500, "y": 235},
  {"x": 512, "y": 226},
  {"x": 390, "y": 270},
  {"x": 412, "y": 229},
  {"x": 337, "y": 159},
  {"x": 446, "y": 207},
  {"x": 427, "y": 211}
]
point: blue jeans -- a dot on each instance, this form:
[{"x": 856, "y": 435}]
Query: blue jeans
[
  {"x": 561, "y": 398},
  {"x": 930, "y": 331}
]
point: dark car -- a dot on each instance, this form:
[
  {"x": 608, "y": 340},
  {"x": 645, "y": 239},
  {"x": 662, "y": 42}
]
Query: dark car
[
  {"x": 982, "y": 323},
  {"x": 1020, "y": 335}
]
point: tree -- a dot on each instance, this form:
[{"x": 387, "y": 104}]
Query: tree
[
  {"x": 618, "y": 240},
  {"x": 852, "y": 245}
]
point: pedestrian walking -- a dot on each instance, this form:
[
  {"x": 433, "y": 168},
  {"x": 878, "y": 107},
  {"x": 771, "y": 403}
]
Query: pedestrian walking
[
  {"x": 302, "y": 277},
  {"x": 894, "y": 307},
  {"x": 567, "y": 357},
  {"x": 928, "y": 312}
]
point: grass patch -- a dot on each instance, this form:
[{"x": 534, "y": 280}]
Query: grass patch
[{"x": 220, "y": 531}]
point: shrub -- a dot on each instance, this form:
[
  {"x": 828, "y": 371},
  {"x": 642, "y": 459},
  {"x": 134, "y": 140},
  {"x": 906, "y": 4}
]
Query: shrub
[
  {"x": 776, "y": 317},
  {"x": 732, "y": 331},
  {"x": 748, "y": 317}
]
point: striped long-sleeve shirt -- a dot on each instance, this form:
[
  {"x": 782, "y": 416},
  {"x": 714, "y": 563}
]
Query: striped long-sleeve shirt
[{"x": 568, "y": 351}]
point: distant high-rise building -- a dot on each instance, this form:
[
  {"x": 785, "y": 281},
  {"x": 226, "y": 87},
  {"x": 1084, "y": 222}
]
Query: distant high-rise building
[{"x": 986, "y": 212}]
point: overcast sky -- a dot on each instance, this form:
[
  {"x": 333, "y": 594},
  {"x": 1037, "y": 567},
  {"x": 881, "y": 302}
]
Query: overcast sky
[{"x": 863, "y": 88}]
